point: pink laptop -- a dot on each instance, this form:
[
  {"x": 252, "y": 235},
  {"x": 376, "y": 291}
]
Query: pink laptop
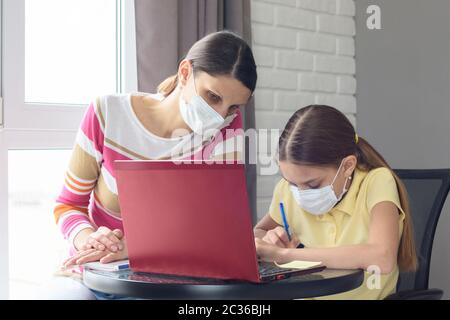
[{"x": 190, "y": 219}]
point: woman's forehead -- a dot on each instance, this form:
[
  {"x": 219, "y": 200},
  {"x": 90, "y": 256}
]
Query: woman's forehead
[{"x": 226, "y": 86}]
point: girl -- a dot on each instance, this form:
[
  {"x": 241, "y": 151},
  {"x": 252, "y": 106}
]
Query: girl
[
  {"x": 343, "y": 203},
  {"x": 182, "y": 121}
]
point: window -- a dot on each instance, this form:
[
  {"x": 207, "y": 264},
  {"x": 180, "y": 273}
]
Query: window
[
  {"x": 58, "y": 55},
  {"x": 70, "y": 50}
]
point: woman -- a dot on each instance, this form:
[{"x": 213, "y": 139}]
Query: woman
[
  {"x": 186, "y": 119},
  {"x": 343, "y": 203}
]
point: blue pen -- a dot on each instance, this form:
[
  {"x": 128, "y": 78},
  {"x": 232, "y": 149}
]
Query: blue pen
[{"x": 283, "y": 215}]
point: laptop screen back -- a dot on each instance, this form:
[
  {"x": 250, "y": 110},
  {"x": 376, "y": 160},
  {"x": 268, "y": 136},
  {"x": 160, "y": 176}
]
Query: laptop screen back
[{"x": 187, "y": 219}]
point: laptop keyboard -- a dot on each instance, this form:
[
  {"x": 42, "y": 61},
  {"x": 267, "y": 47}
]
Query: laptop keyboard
[
  {"x": 157, "y": 278},
  {"x": 268, "y": 269}
]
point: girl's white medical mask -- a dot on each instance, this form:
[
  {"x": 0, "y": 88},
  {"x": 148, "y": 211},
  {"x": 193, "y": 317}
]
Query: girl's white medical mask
[
  {"x": 198, "y": 114},
  {"x": 318, "y": 201}
]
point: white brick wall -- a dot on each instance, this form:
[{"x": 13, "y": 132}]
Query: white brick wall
[{"x": 305, "y": 53}]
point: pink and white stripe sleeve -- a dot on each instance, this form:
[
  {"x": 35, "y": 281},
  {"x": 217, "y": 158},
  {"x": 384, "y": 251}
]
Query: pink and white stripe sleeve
[{"x": 72, "y": 205}]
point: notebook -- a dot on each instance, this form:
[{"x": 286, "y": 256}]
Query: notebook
[
  {"x": 112, "y": 266},
  {"x": 300, "y": 265}
]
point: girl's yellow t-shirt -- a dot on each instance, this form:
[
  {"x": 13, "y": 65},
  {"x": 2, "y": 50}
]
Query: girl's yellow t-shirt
[{"x": 346, "y": 224}]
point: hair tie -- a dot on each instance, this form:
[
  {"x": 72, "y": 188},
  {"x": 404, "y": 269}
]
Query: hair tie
[{"x": 356, "y": 138}]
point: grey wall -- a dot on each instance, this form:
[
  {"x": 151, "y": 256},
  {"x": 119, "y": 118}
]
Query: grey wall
[{"x": 403, "y": 76}]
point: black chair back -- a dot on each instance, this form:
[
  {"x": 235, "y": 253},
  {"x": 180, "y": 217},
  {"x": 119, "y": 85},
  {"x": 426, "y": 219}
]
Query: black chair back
[{"x": 427, "y": 190}]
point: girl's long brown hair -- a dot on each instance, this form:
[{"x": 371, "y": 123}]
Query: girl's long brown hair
[{"x": 322, "y": 135}]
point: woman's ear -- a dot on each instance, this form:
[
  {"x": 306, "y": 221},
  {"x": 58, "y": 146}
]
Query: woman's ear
[
  {"x": 184, "y": 72},
  {"x": 350, "y": 163}
]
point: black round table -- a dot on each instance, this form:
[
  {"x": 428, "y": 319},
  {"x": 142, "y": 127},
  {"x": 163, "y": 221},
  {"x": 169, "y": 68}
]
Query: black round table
[{"x": 150, "y": 286}]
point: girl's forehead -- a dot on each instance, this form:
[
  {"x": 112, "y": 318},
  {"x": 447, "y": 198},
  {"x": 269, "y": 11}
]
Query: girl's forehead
[{"x": 304, "y": 172}]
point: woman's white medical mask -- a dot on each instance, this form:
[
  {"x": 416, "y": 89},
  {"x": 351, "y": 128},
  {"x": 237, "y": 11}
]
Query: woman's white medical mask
[
  {"x": 198, "y": 114},
  {"x": 318, "y": 201}
]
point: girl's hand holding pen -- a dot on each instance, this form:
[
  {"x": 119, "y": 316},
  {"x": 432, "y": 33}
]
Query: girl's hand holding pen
[
  {"x": 280, "y": 238},
  {"x": 270, "y": 253}
]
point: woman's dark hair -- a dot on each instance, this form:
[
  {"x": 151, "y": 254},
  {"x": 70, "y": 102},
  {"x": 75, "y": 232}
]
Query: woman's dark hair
[
  {"x": 219, "y": 53},
  {"x": 322, "y": 136}
]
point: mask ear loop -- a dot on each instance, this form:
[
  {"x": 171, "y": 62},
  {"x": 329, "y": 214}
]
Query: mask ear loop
[
  {"x": 334, "y": 179},
  {"x": 345, "y": 184},
  {"x": 195, "y": 85},
  {"x": 193, "y": 78}
]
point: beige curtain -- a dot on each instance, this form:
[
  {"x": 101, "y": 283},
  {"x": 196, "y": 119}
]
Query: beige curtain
[{"x": 166, "y": 29}]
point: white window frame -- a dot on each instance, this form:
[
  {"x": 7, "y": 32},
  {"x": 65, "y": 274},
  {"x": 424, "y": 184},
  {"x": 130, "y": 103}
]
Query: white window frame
[{"x": 43, "y": 126}]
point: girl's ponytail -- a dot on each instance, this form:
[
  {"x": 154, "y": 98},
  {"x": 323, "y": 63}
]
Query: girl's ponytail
[{"x": 368, "y": 159}]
